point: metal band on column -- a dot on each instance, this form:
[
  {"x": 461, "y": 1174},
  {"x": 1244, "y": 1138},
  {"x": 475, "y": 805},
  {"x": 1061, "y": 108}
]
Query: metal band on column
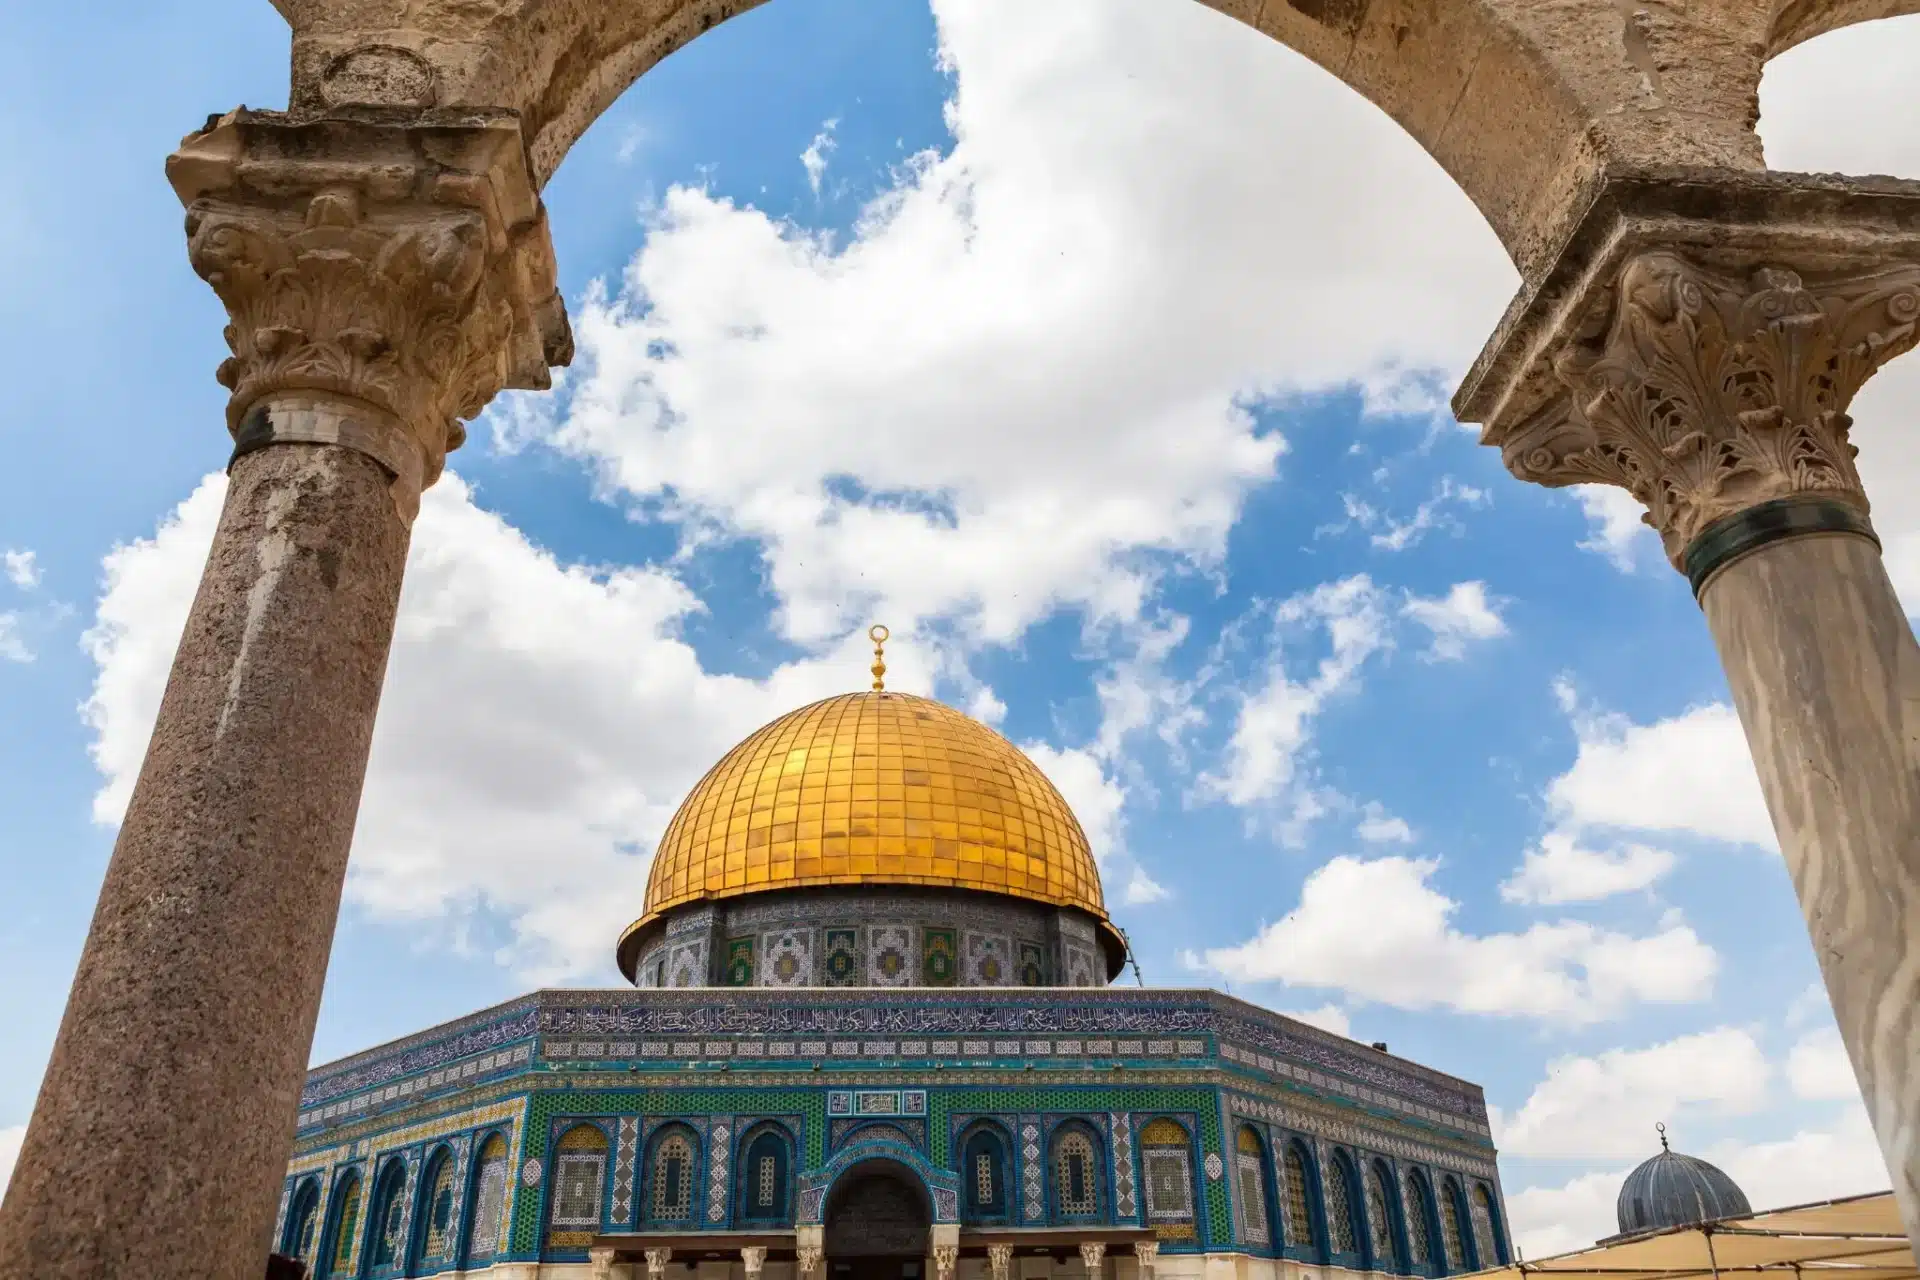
[{"x": 1730, "y": 537}]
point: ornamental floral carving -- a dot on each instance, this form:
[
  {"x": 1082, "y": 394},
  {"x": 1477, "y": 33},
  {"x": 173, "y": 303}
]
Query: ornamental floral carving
[
  {"x": 407, "y": 268},
  {"x": 1705, "y": 393},
  {"x": 946, "y": 1257}
]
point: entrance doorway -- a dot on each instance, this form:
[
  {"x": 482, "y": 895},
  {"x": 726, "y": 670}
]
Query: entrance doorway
[{"x": 876, "y": 1224}]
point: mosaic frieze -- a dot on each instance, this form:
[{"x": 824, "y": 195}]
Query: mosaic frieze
[
  {"x": 1364, "y": 1137},
  {"x": 738, "y": 971},
  {"x": 939, "y": 957},
  {"x": 989, "y": 960},
  {"x": 891, "y": 958},
  {"x": 786, "y": 958},
  {"x": 911, "y": 1132},
  {"x": 843, "y": 966}
]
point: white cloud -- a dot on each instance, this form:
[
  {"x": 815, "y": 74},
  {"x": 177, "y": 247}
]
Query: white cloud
[
  {"x": 1820, "y": 1162},
  {"x": 1560, "y": 870},
  {"x": 10, "y": 1140},
  {"x": 1606, "y": 1106},
  {"x": 814, "y": 158},
  {"x": 1818, "y": 1068},
  {"x": 1690, "y": 773},
  {"x": 539, "y": 725},
  {"x": 1143, "y": 889},
  {"x": 1463, "y": 615},
  {"x": 1429, "y": 515},
  {"x": 1378, "y": 931},
  {"x": 1328, "y": 1017},
  {"x": 1274, "y": 722},
  {"x": 1377, "y": 826},
  {"x": 20, "y": 568},
  {"x": 897, "y": 438},
  {"x": 1550, "y": 1220},
  {"x": 12, "y": 647},
  {"x": 1616, "y": 530}
]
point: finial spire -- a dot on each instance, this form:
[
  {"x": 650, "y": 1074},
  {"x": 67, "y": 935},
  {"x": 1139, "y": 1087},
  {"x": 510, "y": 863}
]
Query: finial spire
[
  {"x": 878, "y": 634},
  {"x": 1663, "y": 1136}
]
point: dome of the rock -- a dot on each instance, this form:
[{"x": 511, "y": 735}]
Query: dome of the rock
[{"x": 879, "y": 791}]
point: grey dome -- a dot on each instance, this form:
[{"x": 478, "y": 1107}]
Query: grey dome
[{"x": 1674, "y": 1190}]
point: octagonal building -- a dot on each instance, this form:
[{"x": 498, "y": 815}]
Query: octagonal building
[{"x": 871, "y": 1036}]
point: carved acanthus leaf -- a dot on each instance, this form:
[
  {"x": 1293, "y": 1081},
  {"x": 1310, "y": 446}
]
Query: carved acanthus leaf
[{"x": 1703, "y": 393}]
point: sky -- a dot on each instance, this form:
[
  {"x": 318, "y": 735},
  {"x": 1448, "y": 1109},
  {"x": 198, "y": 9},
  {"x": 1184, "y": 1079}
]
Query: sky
[{"x": 1101, "y": 350}]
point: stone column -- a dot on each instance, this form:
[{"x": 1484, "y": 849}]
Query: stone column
[
  {"x": 1000, "y": 1260},
  {"x": 1146, "y": 1253},
  {"x": 753, "y": 1257},
  {"x": 382, "y": 282},
  {"x": 807, "y": 1259},
  {"x": 1701, "y": 352},
  {"x": 657, "y": 1260},
  {"x": 1092, "y": 1254},
  {"x": 601, "y": 1260}
]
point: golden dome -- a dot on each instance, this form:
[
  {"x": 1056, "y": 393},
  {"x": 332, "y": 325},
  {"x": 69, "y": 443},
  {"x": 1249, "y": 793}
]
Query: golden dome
[{"x": 873, "y": 789}]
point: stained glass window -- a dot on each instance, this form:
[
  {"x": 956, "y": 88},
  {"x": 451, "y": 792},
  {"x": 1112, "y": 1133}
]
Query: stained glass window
[
  {"x": 1251, "y": 1161},
  {"x": 1419, "y": 1219},
  {"x": 389, "y": 1207},
  {"x": 985, "y": 1160},
  {"x": 579, "y": 1177},
  {"x": 1299, "y": 1208},
  {"x": 1481, "y": 1207},
  {"x": 764, "y": 1177},
  {"x": 1450, "y": 1225},
  {"x": 671, "y": 1197},
  {"x": 438, "y": 1206},
  {"x": 1073, "y": 1179},
  {"x": 346, "y": 1225},
  {"x": 1168, "y": 1169},
  {"x": 489, "y": 1200},
  {"x": 303, "y": 1219},
  {"x": 1340, "y": 1227},
  {"x": 1379, "y": 1221}
]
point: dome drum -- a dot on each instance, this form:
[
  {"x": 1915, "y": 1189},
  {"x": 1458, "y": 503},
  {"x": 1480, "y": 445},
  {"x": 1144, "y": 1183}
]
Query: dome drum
[{"x": 873, "y": 937}]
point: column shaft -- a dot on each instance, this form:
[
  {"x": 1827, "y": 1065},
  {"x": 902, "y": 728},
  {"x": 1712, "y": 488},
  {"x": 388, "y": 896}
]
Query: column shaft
[
  {"x": 165, "y": 1119},
  {"x": 1826, "y": 678}
]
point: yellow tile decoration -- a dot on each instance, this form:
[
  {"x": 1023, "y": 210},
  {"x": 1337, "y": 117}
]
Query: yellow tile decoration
[{"x": 874, "y": 788}]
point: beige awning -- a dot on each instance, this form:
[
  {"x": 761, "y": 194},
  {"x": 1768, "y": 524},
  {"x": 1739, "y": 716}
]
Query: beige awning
[{"x": 1859, "y": 1238}]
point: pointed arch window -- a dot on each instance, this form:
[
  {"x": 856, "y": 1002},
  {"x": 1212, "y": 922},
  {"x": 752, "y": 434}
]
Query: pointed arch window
[
  {"x": 1166, "y": 1161},
  {"x": 388, "y": 1219},
  {"x": 485, "y": 1228},
  {"x": 303, "y": 1222},
  {"x": 1250, "y": 1165},
  {"x": 1486, "y": 1228},
  {"x": 1380, "y": 1215},
  {"x": 1450, "y": 1235},
  {"x": 346, "y": 1226},
  {"x": 436, "y": 1210},
  {"x": 670, "y": 1177},
  {"x": 1299, "y": 1205},
  {"x": 764, "y": 1166},
  {"x": 1420, "y": 1226},
  {"x": 983, "y": 1175},
  {"x": 1343, "y": 1230},
  {"x": 1076, "y": 1186},
  {"x": 579, "y": 1186}
]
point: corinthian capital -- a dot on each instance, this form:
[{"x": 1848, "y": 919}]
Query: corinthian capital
[
  {"x": 1706, "y": 393},
  {"x": 384, "y": 280}
]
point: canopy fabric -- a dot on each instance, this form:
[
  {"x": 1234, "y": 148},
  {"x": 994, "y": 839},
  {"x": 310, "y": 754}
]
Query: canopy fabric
[{"x": 1858, "y": 1238}]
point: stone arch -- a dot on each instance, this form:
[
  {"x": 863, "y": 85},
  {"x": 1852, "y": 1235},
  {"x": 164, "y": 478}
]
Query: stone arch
[
  {"x": 1512, "y": 101},
  {"x": 1799, "y": 21},
  {"x": 877, "y": 1207},
  {"x": 940, "y": 1185}
]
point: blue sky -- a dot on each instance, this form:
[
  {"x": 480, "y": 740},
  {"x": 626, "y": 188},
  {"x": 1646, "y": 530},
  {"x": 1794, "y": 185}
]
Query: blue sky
[{"x": 1058, "y": 339}]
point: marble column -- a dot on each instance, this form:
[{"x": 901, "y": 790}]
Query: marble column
[
  {"x": 1092, "y": 1254},
  {"x": 1000, "y": 1260},
  {"x": 1146, "y": 1253},
  {"x": 1714, "y": 385},
  {"x": 382, "y": 282},
  {"x": 601, "y": 1260}
]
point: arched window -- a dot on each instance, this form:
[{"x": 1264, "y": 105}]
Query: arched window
[
  {"x": 433, "y": 1235},
  {"x": 1486, "y": 1228},
  {"x": 344, "y": 1232},
  {"x": 1343, "y": 1226},
  {"x": 486, "y": 1224},
  {"x": 983, "y": 1175},
  {"x": 1076, "y": 1179},
  {"x": 1166, "y": 1161},
  {"x": 670, "y": 1177},
  {"x": 579, "y": 1181},
  {"x": 1449, "y": 1197},
  {"x": 1298, "y": 1201},
  {"x": 1250, "y": 1165},
  {"x": 303, "y": 1222},
  {"x": 1421, "y": 1231},
  {"x": 388, "y": 1216},
  {"x": 764, "y": 1194},
  {"x": 1380, "y": 1215}
]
